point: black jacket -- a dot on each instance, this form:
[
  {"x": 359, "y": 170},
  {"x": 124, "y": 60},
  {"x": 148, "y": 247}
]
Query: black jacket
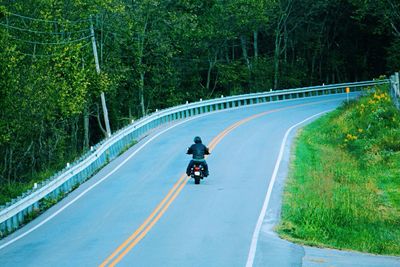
[{"x": 198, "y": 151}]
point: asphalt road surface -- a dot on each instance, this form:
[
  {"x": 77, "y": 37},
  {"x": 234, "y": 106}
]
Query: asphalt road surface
[{"x": 140, "y": 210}]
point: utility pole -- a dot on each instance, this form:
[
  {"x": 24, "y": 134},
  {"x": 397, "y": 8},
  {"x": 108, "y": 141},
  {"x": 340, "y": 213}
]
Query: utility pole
[{"x": 103, "y": 98}]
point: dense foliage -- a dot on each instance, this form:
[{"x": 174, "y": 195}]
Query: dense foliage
[
  {"x": 158, "y": 53},
  {"x": 344, "y": 187}
]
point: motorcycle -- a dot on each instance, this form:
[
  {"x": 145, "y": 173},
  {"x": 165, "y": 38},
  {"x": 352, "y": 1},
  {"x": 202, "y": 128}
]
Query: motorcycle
[{"x": 197, "y": 172}]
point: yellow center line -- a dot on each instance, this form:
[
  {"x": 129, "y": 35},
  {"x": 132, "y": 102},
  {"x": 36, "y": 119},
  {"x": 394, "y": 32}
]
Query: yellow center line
[
  {"x": 141, "y": 232},
  {"x": 217, "y": 139},
  {"x": 150, "y": 225},
  {"x": 134, "y": 235}
]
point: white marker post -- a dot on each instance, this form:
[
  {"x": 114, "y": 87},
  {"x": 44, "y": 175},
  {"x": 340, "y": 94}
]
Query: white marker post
[{"x": 347, "y": 92}]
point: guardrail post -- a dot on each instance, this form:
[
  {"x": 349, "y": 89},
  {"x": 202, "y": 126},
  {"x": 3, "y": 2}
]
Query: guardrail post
[
  {"x": 396, "y": 89},
  {"x": 20, "y": 217},
  {"x": 2, "y": 229},
  {"x": 9, "y": 225},
  {"x": 99, "y": 155},
  {"x": 15, "y": 223}
]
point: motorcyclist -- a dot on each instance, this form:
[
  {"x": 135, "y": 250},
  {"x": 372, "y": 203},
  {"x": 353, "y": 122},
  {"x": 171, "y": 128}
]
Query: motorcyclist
[{"x": 198, "y": 150}]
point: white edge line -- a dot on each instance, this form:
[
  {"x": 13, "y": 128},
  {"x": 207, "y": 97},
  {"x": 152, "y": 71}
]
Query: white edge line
[
  {"x": 114, "y": 170},
  {"x": 95, "y": 184},
  {"x": 254, "y": 240}
]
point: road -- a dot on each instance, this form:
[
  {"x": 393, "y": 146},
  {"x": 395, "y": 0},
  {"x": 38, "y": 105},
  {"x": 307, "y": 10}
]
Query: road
[{"x": 140, "y": 211}]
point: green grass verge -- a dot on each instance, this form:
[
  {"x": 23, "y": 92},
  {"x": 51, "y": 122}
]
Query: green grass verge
[
  {"x": 343, "y": 189},
  {"x": 11, "y": 190}
]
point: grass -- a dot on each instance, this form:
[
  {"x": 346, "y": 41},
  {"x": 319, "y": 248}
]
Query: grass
[
  {"x": 9, "y": 191},
  {"x": 343, "y": 189}
]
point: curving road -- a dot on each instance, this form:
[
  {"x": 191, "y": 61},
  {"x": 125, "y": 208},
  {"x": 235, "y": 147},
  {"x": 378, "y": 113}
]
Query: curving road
[{"x": 140, "y": 211}]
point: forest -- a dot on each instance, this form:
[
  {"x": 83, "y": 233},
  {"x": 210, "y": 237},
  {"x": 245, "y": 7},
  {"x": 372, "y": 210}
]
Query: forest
[{"x": 154, "y": 54}]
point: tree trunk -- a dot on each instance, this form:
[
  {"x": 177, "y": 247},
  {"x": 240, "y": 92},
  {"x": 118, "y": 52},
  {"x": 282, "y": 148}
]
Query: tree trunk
[
  {"x": 313, "y": 66},
  {"x": 276, "y": 59},
  {"x": 277, "y": 52},
  {"x": 74, "y": 136},
  {"x": 99, "y": 121},
  {"x": 226, "y": 51},
  {"x": 4, "y": 171},
  {"x": 33, "y": 159},
  {"x": 42, "y": 155},
  {"x": 281, "y": 32},
  {"x": 285, "y": 41},
  {"x": 233, "y": 51},
  {"x": 141, "y": 93},
  {"x": 243, "y": 42},
  {"x": 86, "y": 128},
  {"x": 21, "y": 162},
  {"x": 255, "y": 44},
  {"x": 209, "y": 74},
  {"x": 10, "y": 164},
  {"x": 211, "y": 64},
  {"x": 140, "y": 66}
]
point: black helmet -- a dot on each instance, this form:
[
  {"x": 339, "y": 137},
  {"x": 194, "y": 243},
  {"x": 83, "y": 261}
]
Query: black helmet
[{"x": 197, "y": 140}]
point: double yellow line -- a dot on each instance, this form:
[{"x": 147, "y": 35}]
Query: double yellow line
[
  {"x": 146, "y": 226},
  {"x": 141, "y": 232},
  {"x": 138, "y": 235}
]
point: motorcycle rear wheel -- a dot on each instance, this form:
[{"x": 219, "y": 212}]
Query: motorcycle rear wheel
[{"x": 197, "y": 180}]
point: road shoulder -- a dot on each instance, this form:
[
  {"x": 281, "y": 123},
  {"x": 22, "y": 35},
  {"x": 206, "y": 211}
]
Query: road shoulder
[{"x": 274, "y": 251}]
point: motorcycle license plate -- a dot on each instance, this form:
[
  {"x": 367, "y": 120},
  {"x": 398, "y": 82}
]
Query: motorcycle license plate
[{"x": 197, "y": 173}]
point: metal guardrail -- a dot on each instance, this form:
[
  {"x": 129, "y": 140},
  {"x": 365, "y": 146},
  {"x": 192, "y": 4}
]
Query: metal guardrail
[
  {"x": 14, "y": 214},
  {"x": 395, "y": 89}
]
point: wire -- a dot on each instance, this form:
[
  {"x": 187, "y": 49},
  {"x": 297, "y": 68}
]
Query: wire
[
  {"x": 49, "y": 55},
  {"x": 51, "y": 43},
  {"x": 48, "y": 21},
  {"x": 41, "y": 32}
]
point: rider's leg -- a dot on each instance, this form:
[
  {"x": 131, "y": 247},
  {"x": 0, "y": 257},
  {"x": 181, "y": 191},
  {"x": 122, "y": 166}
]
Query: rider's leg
[
  {"x": 206, "y": 168},
  {"x": 189, "y": 167}
]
